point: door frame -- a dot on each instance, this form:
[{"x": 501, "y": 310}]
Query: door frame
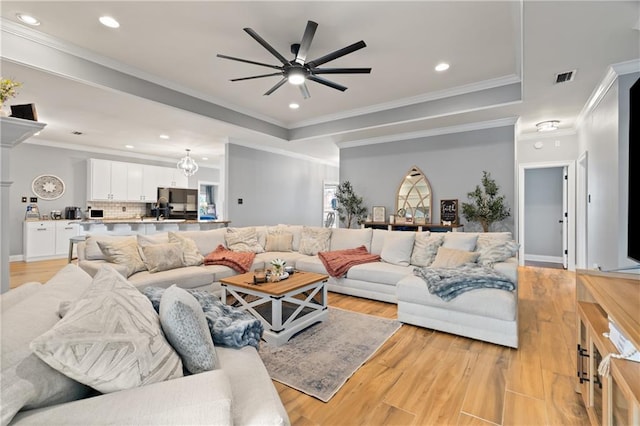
[
  {"x": 570, "y": 202},
  {"x": 582, "y": 219}
]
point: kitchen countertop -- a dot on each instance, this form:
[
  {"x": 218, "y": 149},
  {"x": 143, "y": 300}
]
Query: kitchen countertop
[{"x": 134, "y": 220}]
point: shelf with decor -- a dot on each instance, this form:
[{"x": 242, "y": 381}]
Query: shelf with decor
[
  {"x": 602, "y": 299},
  {"x": 416, "y": 227}
]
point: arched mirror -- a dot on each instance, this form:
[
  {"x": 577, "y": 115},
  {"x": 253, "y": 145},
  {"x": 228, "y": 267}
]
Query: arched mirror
[{"x": 414, "y": 197}]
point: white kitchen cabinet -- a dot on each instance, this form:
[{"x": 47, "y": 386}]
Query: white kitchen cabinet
[
  {"x": 172, "y": 178},
  {"x": 48, "y": 239},
  {"x": 39, "y": 239},
  {"x": 142, "y": 183},
  {"x": 107, "y": 180}
]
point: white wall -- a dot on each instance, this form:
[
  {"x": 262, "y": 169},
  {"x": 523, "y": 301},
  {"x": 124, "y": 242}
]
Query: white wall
[{"x": 543, "y": 210}]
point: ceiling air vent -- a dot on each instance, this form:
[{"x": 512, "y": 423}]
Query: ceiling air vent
[
  {"x": 77, "y": 133},
  {"x": 565, "y": 77}
]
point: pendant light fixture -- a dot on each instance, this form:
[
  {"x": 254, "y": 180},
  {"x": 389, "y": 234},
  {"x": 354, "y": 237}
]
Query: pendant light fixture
[{"x": 187, "y": 165}]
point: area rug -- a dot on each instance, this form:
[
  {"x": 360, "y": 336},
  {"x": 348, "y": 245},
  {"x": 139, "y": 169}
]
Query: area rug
[{"x": 320, "y": 359}]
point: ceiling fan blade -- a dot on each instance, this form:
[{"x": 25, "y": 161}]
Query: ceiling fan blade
[
  {"x": 266, "y": 45},
  {"x": 256, "y": 76},
  {"x": 327, "y": 83},
  {"x": 337, "y": 54},
  {"x": 248, "y": 61},
  {"x": 309, "y": 32},
  {"x": 305, "y": 91},
  {"x": 340, "y": 70},
  {"x": 274, "y": 88}
]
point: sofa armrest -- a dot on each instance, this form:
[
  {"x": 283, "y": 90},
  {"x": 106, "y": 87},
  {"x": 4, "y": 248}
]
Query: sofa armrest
[
  {"x": 92, "y": 267},
  {"x": 509, "y": 267},
  {"x": 203, "y": 398},
  {"x": 18, "y": 294}
]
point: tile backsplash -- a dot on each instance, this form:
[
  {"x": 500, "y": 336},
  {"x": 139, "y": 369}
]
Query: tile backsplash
[{"x": 114, "y": 209}]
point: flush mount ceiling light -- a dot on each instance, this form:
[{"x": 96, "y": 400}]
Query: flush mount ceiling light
[
  {"x": 547, "y": 126},
  {"x": 187, "y": 165},
  {"x": 442, "y": 67},
  {"x": 27, "y": 19},
  {"x": 163, "y": 136},
  {"x": 108, "y": 21},
  {"x": 294, "y": 105}
]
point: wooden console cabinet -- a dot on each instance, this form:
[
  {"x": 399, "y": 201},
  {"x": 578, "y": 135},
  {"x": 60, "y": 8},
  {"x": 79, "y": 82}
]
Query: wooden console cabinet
[
  {"x": 601, "y": 297},
  {"x": 419, "y": 227}
]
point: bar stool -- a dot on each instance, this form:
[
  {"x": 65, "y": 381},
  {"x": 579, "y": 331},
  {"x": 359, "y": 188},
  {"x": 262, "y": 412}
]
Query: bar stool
[{"x": 75, "y": 240}]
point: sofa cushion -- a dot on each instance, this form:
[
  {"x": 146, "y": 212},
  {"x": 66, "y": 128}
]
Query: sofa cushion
[
  {"x": 93, "y": 252},
  {"x": 185, "y": 326},
  {"x": 496, "y": 251},
  {"x": 425, "y": 248},
  {"x": 187, "y": 277},
  {"x": 206, "y": 241},
  {"x": 279, "y": 241},
  {"x": 27, "y": 382},
  {"x": 123, "y": 252},
  {"x": 243, "y": 240},
  {"x": 18, "y": 294},
  {"x": 296, "y": 230},
  {"x": 191, "y": 256},
  {"x": 342, "y": 239},
  {"x": 110, "y": 339},
  {"x": 310, "y": 264},
  {"x": 485, "y": 302},
  {"x": 288, "y": 256},
  {"x": 460, "y": 240},
  {"x": 162, "y": 257},
  {"x": 314, "y": 239},
  {"x": 451, "y": 258},
  {"x": 397, "y": 248},
  {"x": 377, "y": 240},
  {"x": 379, "y": 272},
  {"x": 159, "y": 238}
]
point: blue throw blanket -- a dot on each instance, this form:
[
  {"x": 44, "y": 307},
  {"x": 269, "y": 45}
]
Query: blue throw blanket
[
  {"x": 229, "y": 326},
  {"x": 448, "y": 283}
]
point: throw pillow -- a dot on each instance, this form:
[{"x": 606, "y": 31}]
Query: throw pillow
[
  {"x": 497, "y": 251},
  {"x": 185, "y": 326},
  {"x": 452, "y": 258},
  {"x": 154, "y": 294},
  {"x": 190, "y": 253},
  {"x": 397, "y": 248},
  {"x": 243, "y": 239},
  {"x": 485, "y": 238},
  {"x": 111, "y": 338},
  {"x": 93, "y": 251},
  {"x": 460, "y": 241},
  {"x": 425, "y": 248},
  {"x": 162, "y": 257},
  {"x": 279, "y": 241},
  {"x": 314, "y": 239},
  {"x": 123, "y": 252},
  {"x": 159, "y": 238}
]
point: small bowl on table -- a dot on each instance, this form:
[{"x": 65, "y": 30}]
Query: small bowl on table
[{"x": 289, "y": 269}]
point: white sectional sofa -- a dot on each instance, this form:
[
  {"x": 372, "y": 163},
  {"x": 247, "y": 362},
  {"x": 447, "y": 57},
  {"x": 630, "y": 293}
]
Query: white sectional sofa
[
  {"x": 485, "y": 314},
  {"x": 239, "y": 392}
]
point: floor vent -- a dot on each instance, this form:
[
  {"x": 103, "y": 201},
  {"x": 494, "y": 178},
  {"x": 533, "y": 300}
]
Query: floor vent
[{"x": 565, "y": 77}]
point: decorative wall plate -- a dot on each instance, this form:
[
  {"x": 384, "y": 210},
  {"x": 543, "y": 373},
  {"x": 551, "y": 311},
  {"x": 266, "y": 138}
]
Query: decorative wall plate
[{"x": 48, "y": 187}]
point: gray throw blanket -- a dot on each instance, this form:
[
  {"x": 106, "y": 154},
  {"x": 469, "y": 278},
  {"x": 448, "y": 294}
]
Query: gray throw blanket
[
  {"x": 448, "y": 283},
  {"x": 229, "y": 326}
]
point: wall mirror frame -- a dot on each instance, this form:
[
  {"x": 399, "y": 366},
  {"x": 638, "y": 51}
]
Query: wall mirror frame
[{"x": 414, "y": 197}]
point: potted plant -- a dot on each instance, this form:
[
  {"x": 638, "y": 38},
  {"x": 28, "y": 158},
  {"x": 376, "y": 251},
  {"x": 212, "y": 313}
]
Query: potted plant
[
  {"x": 350, "y": 207},
  {"x": 487, "y": 206},
  {"x": 8, "y": 90}
]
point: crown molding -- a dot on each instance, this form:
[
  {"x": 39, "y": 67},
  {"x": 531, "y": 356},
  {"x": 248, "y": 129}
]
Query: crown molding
[
  {"x": 283, "y": 152},
  {"x": 405, "y": 137},
  {"x": 610, "y": 76},
  {"x": 72, "y": 49},
  {"x": 546, "y": 135},
  {"x": 418, "y": 99}
]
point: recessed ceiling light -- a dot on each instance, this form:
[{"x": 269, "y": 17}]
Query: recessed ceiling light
[
  {"x": 28, "y": 19},
  {"x": 129, "y": 146},
  {"x": 443, "y": 66},
  {"x": 547, "y": 126},
  {"x": 163, "y": 136},
  {"x": 36, "y": 134},
  {"x": 205, "y": 158},
  {"x": 108, "y": 21},
  {"x": 294, "y": 105}
]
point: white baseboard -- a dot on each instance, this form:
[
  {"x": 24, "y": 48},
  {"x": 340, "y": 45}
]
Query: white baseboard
[
  {"x": 16, "y": 258},
  {"x": 542, "y": 258}
]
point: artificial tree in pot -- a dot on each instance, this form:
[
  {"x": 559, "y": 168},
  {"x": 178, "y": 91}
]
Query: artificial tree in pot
[
  {"x": 350, "y": 206},
  {"x": 487, "y": 206}
]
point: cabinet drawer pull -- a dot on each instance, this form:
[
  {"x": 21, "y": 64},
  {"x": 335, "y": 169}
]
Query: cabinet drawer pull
[
  {"x": 68, "y": 227},
  {"x": 42, "y": 229}
]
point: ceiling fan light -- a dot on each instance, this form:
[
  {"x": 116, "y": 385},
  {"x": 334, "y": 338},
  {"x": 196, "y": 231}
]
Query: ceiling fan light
[
  {"x": 296, "y": 78},
  {"x": 108, "y": 21},
  {"x": 548, "y": 126},
  {"x": 187, "y": 165}
]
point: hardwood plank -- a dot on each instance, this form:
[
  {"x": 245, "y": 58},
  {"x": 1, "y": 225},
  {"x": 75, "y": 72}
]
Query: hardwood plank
[
  {"x": 522, "y": 410},
  {"x": 486, "y": 390},
  {"x": 525, "y": 377},
  {"x": 466, "y": 420},
  {"x": 564, "y": 404}
]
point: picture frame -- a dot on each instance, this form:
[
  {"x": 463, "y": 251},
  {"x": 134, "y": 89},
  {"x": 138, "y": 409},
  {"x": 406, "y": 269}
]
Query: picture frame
[
  {"x": 379, "y": 214},
  {"x": 449, "y": 211}
]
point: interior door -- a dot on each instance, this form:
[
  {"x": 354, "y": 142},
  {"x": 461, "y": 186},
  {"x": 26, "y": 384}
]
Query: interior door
[{"x": 565, "y": 218}]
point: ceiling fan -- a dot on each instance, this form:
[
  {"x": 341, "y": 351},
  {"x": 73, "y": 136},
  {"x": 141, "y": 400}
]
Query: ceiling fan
[{"x": 298, "y": 70}]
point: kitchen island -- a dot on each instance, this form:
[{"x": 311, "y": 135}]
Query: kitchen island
[{"x": 146, "y": 225}]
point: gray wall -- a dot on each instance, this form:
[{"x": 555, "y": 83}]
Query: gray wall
[
  {"x": 274, "y": 188},
  {"x": 452, "y": 163},
  {"x": 30, "y": 160},
  {"x": 604, "y": 135},
  {"x": 543, "y": 210}
]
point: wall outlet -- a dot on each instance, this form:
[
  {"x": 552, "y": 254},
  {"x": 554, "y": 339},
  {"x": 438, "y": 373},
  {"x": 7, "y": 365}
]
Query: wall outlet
[
  {"x": 240, "y": 201},
  {"x": 24, "y": 199},
  {"x": 33, "y": 199},
  {"x": 124, "y": 208}
]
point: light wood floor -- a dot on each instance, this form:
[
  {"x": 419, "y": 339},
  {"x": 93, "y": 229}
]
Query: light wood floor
[{"x": 422, "y": 377}]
